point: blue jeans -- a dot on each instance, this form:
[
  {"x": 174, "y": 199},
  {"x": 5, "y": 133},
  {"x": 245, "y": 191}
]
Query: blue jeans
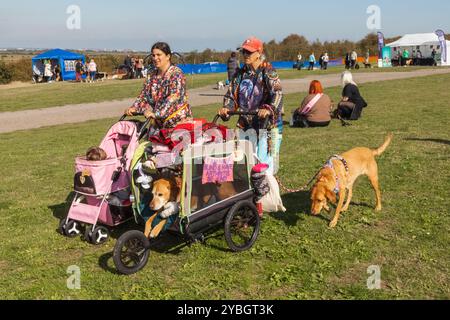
[{"x": 271, "y": 158}]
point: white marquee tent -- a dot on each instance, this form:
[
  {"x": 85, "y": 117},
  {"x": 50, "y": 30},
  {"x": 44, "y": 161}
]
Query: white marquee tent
[{"x": 425, "y": 42}]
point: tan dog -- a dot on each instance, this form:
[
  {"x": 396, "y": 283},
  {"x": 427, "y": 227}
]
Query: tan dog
[
  {"x": 96, "y": 154},
  {"x": 164, "y": 191},
  {"x": 202, "y": 194},
  {"x": 340, "y": 175}
]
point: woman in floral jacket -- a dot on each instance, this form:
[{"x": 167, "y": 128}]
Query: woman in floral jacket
[{"x": 164, "y": 97}]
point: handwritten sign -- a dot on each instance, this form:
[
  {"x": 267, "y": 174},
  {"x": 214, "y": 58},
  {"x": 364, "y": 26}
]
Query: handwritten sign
[{"x": 218, "y": 170}]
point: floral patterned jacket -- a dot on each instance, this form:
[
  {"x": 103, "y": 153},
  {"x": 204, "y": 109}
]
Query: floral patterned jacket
[
  {"x": 166, "y": 96},
  {"x": 252, "y": 90}
]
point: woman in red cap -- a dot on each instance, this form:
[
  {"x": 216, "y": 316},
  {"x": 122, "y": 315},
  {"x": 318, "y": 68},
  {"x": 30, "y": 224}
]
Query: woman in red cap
[{"x": 257, "y": 88}]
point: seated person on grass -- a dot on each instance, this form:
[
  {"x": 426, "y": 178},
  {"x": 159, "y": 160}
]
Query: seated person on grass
[
  {"x": 352, "y": 103},
  {"x": 315, "y": 109}
]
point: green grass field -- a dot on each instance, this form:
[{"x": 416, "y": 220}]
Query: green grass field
[
  {"x": 296, "y": 256},
  {"x": 59, "y": 94}
]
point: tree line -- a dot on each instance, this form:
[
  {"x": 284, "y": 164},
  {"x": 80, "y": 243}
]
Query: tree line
[
  {"x": 288, "y": 49},
  {"x": 284, "y": 50}
]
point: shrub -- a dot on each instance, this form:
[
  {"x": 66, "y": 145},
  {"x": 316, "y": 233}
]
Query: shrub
[
  {"x": 22, "y": 70},
  {"x": 6, "y": 74}
]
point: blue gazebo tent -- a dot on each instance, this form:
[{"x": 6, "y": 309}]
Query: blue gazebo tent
[{"x": 65, "y": 59}]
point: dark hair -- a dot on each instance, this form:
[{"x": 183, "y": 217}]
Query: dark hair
[
  {"x": 233, "y": 54},
  {"x": 164, "y": 47}
]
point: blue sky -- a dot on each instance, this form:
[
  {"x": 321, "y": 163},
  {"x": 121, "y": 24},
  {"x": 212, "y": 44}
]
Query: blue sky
[{"x": 199, "y": 24}]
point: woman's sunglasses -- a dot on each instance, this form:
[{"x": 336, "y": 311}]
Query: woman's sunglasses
[{"x": 247, "y": 53}]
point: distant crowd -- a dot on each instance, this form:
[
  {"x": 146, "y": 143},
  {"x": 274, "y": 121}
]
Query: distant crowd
[{"x": 351, "y": 61}]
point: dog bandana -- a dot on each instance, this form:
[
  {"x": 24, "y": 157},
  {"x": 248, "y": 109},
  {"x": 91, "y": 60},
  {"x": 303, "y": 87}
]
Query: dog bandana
[{"x": 218, "y": 170}]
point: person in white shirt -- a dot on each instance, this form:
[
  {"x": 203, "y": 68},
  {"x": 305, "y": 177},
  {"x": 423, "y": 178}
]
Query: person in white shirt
[
  {"x": 92, "y": 68},
  {"x": 299, "y": 61},
  {"x": 48, "y": 74},
  {"x": 354, "y": 58},
  {"x": 325, "y": 60}
]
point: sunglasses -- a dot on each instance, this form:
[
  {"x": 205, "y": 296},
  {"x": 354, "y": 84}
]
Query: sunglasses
[{"x": 247, "y": 53}]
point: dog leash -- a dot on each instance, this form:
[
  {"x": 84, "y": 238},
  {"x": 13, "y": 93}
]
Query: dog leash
[
  {"x": 343, "y": 122},
  {"x": 306, "y": 187}
]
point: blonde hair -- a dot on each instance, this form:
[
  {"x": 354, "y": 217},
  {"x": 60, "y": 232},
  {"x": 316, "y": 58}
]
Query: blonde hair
[{"x": 347, "y": 78}]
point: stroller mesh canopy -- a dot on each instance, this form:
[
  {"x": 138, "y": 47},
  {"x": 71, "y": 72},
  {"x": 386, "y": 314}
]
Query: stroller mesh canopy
[
  {"x": 201, "y": 187},
  {"x": 121, "y": 140},
  {"x": 95, "y": 177}
]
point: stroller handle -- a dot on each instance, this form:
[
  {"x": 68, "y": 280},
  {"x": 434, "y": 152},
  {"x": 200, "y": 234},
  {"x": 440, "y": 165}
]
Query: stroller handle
[
  {"x": 143, "y": 130},
  {"x": 234, "y": 113},
  {"x": 241, "y": 113},
  {"x": 136, "y": 114}
]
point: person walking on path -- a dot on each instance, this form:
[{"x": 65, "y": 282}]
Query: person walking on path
[
  {"x": 354, "y": 59},
  {"x": 325, "y": 61},
  {"x": 92, "y": 68},
  {"x": 78, "y": 71},
  {"x": 312, "y": 61}
]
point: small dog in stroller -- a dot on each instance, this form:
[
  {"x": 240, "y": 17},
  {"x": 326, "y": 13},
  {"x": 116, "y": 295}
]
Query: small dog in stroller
[
  {"x": 102, "y": 184},
  {"x": 96, "y": 154}
]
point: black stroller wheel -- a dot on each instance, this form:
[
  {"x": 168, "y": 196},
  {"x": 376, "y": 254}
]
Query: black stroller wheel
[
  {"x": 71, "y": 229},
  {"x": 62, "y": 226},
  {"x": 242, "y": 226},
  {"x": 98, "y": 236},
  {"x": 131, "y": 252}
]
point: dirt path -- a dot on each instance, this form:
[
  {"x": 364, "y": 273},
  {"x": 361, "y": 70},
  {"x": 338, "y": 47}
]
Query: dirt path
[{"x": 31, "y": 119}]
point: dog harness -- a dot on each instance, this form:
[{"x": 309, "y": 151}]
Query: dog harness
[{"x": 330, "y": 165}]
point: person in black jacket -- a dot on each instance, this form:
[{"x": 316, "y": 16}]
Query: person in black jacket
[
  {"x": 352, "y": 104},
  {"x": 78, "y": 71},
  {"x": 232, "y": 66}
]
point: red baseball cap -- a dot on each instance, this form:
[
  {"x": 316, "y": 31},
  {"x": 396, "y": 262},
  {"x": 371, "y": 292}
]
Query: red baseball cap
[{"x": 253, "y": 44}]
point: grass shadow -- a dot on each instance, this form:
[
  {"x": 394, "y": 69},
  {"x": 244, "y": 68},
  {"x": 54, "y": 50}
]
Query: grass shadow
[
  {"x": 103, "y": 263},
  {"x": 441, "y": 141},
  {"x": 60, "y": 211},
  {"x": 166, "y": 244},
  {"x": 356, "y": 204},
  {"x": 297, "y": 204}
]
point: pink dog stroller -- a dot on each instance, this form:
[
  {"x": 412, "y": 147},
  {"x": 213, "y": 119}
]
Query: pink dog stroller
[{"x": 102, "y": 188}]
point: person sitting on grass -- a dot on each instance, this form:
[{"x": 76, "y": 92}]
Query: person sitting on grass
[
  {"x": 315, "y": 110},
  {"x": 352, "y": 103}
]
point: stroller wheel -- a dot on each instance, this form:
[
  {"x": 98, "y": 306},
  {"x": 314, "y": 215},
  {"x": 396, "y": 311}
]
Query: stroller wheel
[
  {"x": 131, "y": 252},
  {"x": 98, "y": 236},
  {"x": 242, "y": 226},
  {"x": 70, "y": 229}
]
